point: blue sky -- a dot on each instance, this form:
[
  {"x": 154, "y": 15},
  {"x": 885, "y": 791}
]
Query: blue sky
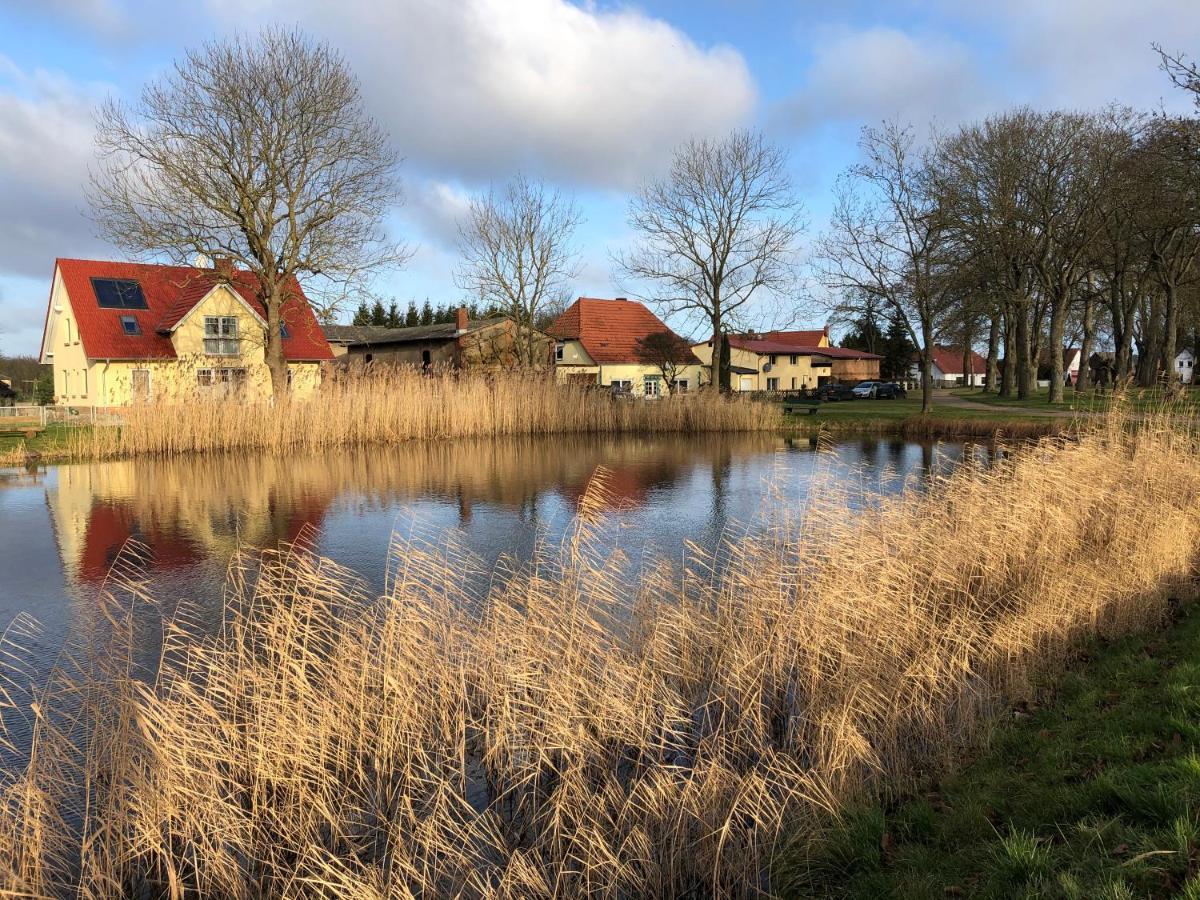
[{"x": 591, "y": 97}]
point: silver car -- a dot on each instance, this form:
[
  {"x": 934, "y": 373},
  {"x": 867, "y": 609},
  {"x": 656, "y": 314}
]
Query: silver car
[{"x": 866, "y": 390}]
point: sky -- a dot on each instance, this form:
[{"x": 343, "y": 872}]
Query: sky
[{"x": 591, "y": 97}]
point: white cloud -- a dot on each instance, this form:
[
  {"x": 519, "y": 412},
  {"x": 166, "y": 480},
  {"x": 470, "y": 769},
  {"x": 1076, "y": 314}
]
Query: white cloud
[
  {"x": 45, "y": 147},
  {"x": 476, "y": 90},
  {"x": 883, "y": 73},
  {"x": 436, "y": 208}
]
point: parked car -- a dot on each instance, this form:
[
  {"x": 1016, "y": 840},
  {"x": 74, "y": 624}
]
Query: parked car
[
  {"x": 867, "y": 390},
  {"x": 889, "y": 390},
  {"x": 832, "y": 393}
]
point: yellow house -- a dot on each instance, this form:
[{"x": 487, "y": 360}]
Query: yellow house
[
  {"x": 120, "y": 333},
  {"x": 791, "y": 361},
  {"x": 601, "y": 342}
]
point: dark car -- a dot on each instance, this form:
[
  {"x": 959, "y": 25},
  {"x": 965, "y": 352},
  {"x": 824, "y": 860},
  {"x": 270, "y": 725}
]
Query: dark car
[
  {"x": 889, "y": 390},
  {"x": 832, "y": 393}
]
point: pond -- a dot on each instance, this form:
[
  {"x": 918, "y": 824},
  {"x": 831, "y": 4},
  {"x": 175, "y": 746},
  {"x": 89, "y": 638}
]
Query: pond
[{"x": 62, "y": 526}]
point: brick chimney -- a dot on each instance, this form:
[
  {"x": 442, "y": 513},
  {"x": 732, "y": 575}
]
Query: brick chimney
[
  {"x": 460, "y": 321},
  {"x": 223, "y": 266}
]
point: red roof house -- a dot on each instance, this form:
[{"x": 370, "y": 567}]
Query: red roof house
[{"x": 104, "y": 314}]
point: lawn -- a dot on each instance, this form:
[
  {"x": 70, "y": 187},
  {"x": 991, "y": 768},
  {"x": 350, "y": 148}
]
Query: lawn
[
  {"x": 867, "y": 411},
  {"x": 1095, "y": 795},
  {"x": 1140, "y": 399},
  {"x": 46, "y": 442}
]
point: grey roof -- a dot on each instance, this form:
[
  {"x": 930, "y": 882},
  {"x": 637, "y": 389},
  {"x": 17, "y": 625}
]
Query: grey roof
[{"x": 374, "y": 335}]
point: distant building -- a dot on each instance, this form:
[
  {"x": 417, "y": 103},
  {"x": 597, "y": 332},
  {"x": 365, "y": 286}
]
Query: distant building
[
  {"x": 598, "y": 342},
  {"x": 1072, "y": 359},
  {"x": 948, "y": 368},
  {"x": 1185, "y": 362},
  {"x": 791, "y": 361},
  {"x": 465, "y": 342},
  {"x": 118, "y": 333}
]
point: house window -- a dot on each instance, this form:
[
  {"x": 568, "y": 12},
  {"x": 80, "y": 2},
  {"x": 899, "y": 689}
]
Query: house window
[
  {"x": 283, "y": 331},
  {"x": 233, "y": 378},
  {"x": 289, "y": 378},
  {"x": 652, "y": 386},
  {"x": 679, "y": 386},
  {"x": 140, "y": 383},
  {"x": 84, "y": 394},
  {"x": 221, "y": 335},
  {"x": 793, "y": 382},
  {"x": 558, "y": 352},
  {"x": 129, "y": 324},
  {"x": 772, "y": 384},
  {"x": 771, "y": 359},
  {"x": 622, "y": 387},
  {"x": 426, "y": 360},
  {"x": 68, "y": 339},
  {"x": 793, "y": 359}
]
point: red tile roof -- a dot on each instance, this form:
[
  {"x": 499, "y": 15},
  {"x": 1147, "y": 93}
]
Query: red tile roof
[
  {"x": 777, "y": 346},
  {"x": 608, "y": 329},
  {"x": 801, "y": 338},
  {"x": 950, "y": 361},
  {"x": 171, "y": 292}
]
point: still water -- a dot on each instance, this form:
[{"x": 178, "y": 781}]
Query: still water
[{"x": 62, "y": 526}]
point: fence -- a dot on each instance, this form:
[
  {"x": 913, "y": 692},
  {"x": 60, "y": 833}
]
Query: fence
[{"x": 18, "y": 416}]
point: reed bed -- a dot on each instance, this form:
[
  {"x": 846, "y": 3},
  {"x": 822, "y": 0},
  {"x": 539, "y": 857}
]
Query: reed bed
[
  {"x": 574, "y": 728},
  {"x": 392, "y": 405}
]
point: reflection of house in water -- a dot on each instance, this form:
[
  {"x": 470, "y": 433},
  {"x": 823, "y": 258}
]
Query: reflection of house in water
[{"x": 185, "y": 512}]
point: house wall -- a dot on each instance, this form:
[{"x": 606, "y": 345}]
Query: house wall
[
  {"x": 72, "y": 380},
  {"x": 491, "y": 347},
  {"x": 805, "y": 372},
  {"x": 852, "y": 371},
  {"x": 1185, "y": 366},
  {"x": 110, "y": 382},
  {"x": 636, "y": 373}
]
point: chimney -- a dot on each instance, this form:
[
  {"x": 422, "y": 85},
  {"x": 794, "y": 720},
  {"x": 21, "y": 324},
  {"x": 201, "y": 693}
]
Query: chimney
[
  {"x": 460, "y": 321},
  {"x": 621, "y": 299},
  {"x": 223, "y": 266},
  {"x": 826, "y": 331}
]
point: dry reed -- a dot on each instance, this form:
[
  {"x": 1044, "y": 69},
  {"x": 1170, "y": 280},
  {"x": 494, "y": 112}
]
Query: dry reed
[
  {"x": 579, "y": 729},
  {"x": 391, "y": 405}
]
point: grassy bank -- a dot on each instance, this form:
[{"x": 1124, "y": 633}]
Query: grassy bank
[
  {"x": 904, "y": 418},
  {"x": 580, "y": 729},
  {"x": 1094, "y": 793}
]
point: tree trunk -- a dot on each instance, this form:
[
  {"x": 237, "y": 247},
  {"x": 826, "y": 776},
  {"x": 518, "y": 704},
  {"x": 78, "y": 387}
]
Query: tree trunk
[
  {"x": 1151, "y": 346},
  {"x": 1058, "y": 326},
  {"x": 273, "y": 351},
  {"x": 968, "y": 339},
  {"x": 1008, "y": 381},
  {"x": 1026, "y": 367},
  {"x": 1084, "y": 382},
  {"x": 1170, "y": 328},
  {"x": 1121, "y": 337},
  {"x": 926, "y": 367},
  {"x": 993, "y": 357},
  {"x": 718, "y": 340}
]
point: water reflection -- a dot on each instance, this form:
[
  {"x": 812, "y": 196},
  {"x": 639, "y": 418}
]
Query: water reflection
[{"x": 65, "y": 525}]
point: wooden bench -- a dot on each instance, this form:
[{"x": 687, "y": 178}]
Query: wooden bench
[
  {"x": 28, "y": 431},
  {"x": 797, "y": 405}
]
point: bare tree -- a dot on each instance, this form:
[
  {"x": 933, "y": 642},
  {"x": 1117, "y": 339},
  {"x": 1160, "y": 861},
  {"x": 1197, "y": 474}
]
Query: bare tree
[
  {"x": 258, "y": 150},
  {"x": 517, "y": 254},
  {"x": 720, "y": 227},
  {"x": 1182, "y": 71},
  {"x": 667, "y": 352},
  {"x": 888, "y": 241}
]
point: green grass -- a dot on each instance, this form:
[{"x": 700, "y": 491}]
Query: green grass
[
  {"x": 866, "y": 411},
  {"x": 1096, "y": 795},
  {"x": 46, "y": 443},
  {"x": 1140, "y": 399}
]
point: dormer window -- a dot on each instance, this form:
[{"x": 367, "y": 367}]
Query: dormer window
[
  {"x": 129, "y": 324},
  {"x": 283, "y": 331},
  {"x": 118, "y": 293}
]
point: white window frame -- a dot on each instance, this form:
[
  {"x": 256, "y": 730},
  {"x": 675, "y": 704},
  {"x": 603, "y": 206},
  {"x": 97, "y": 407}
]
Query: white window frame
[
  {"x": 621, "y": 386},
  {"x": 133, "y": 388},
  {"x": 221, "y": 336},
  {"x": 558, "y": 351},
  {"x": 649, "y": 381},
  {"x": 679, "y": 385},
  {"x": 772, "y": 383}
]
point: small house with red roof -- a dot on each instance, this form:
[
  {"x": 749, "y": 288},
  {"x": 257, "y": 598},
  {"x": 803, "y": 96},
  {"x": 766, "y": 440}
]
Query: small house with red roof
[
  {"x": 791, "y": 361},
  {"x": 948, "y": 367},
  {"x": 118, "y": 333},
  {"x": 604, "y": 342}
]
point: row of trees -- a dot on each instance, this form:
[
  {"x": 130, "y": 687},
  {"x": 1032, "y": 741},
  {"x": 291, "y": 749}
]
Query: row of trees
[
  {"x": 427, "y": 314},
  {"x": 1030, "y": 230},
  {"x": 1024, "y": 228}
]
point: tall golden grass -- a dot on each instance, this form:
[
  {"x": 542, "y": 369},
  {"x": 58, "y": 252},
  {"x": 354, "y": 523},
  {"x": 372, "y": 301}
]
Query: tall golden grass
[
  {"x": 391, "y": 405},
  {"x": 577, "y": 729}
]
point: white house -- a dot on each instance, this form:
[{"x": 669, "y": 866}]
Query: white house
[
  {"x": 948, "y": 368},
  {"x": 1184, "y": 363}
]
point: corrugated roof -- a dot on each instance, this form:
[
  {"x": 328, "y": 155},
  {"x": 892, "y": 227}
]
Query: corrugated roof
[
  {"x": 170, "y": 293},
  {"x": 374, "y": 335}
]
